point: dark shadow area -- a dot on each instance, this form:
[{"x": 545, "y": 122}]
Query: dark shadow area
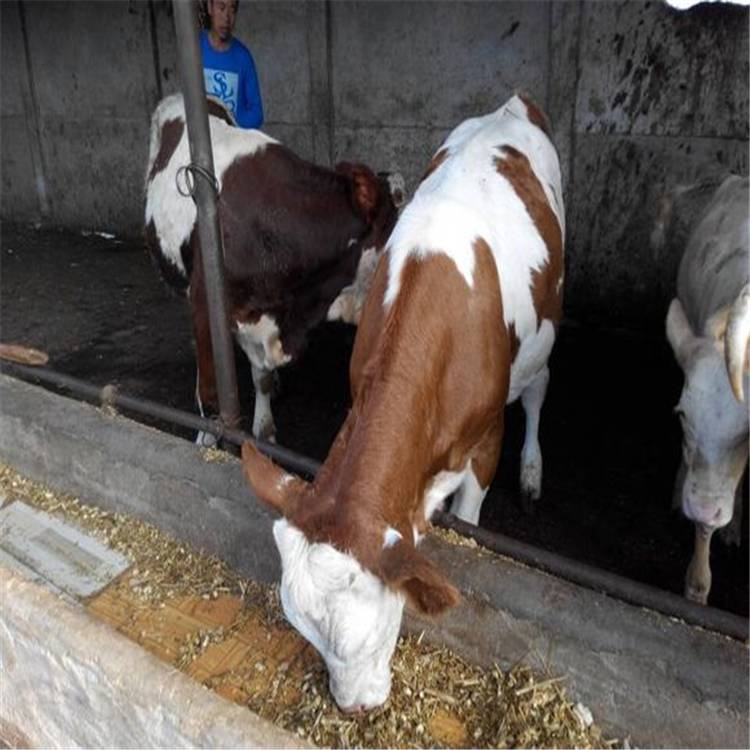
[{"x": 609, "y": 438}]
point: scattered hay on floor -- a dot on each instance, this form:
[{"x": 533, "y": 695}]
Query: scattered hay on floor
[
  {"x": 214, "y": 455},
  {"x": 437, "y": 699}
]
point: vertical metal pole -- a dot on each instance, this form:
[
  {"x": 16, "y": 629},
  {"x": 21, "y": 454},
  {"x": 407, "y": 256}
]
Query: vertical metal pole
[{"x": 196, "y": 113}]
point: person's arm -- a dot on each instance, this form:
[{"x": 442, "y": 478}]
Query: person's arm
[{"x": 251, "y": 115}]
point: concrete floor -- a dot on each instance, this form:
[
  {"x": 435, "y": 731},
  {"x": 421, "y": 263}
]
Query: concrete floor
[{"x": 609, "y": 438}]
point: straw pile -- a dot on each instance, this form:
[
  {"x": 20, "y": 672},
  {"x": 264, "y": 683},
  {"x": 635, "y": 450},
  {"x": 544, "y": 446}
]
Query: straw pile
[{"x": 437, "y": 699}]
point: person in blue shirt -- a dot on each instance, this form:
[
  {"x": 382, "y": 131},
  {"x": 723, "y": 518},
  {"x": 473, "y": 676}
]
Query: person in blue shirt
[{"x": 228, "y": 66}]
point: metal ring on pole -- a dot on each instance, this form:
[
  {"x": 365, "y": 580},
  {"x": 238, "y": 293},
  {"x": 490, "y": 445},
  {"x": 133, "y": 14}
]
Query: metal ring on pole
[{"x": 189, "y": 171}]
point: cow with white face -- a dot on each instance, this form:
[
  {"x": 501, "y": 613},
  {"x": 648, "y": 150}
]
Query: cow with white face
[
  {"x": 460, "y": 319},
  {"x": 708, "y": 325}
]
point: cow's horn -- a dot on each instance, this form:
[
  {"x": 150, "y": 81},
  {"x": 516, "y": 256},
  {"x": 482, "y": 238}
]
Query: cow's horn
[{"x": 736, "y": 341}]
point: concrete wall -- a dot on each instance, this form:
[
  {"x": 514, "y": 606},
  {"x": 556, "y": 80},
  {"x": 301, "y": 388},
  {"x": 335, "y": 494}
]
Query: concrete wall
[{"x": 642, "y": 97}]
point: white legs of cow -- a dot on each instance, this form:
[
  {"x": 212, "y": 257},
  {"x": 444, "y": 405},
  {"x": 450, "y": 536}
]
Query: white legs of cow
[
  {"x": 468, "y": 499},
  {"x": 698, "y": 576},
  {"x": 202, "y": 439},
  {"x": 531, "y": 454},
  {"x": 263, "y": 424}
]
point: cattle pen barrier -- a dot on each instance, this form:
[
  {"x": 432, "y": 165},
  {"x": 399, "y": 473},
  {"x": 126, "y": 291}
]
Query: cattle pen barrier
[{"x": 619, "y": 587}]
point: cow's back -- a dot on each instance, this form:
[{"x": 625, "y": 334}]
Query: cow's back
[
  {"x": 170, "y": 215},
  {"x": 481, "y": 188},
  {"x": 716, "y": 263},
  {"x": 496, "y": 178}
]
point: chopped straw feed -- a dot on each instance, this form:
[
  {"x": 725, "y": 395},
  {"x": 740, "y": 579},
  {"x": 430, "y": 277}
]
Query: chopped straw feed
[{"x": 437, "y": 698}]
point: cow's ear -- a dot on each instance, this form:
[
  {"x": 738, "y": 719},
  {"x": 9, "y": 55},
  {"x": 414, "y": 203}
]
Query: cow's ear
[
  {"x": 366, "y": 188},
  {"x": 679, "y": 333},
  {"x": 403, "y": 568},
  {"x": 272, "y": 485}
]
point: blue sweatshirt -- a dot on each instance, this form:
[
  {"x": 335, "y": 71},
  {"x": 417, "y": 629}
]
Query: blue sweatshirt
[{"x": 230, "y": 77}]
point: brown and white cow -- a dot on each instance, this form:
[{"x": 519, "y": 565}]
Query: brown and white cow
[
  {"x": 460, "y": 320},
  {"x": 293, "y": 236}
]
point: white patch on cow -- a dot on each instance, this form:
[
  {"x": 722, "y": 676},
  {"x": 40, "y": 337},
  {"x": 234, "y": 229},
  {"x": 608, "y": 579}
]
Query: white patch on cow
[
  {"x": 532, "y": 399},
  {"x": 438, "y": 488},
  {"x": 174, "y": 214},
  {"x": 390, "y": 537},
  {"x": 467, "y": 198},
  {"x": 417, "y": 536},
  {"x": 531, "y": 358},
  {"x": 261, "y": 343},
  {"x": 467, "y": 502},
  {"x": 263, "y": 424},
  {"x": 347, "y": 307},
  {"x": 348, "y": 614},
  {"x": 203, "y": 439}
]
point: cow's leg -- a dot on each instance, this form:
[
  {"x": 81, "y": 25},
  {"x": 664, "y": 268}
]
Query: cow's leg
[
  {"x": 263, "y": 425},
  {"x": 698, "y": 577},
  {"x": 468, "y": 498},
  {"x": 532, "y": 399},
  {"x": 679, "y": 483},
  {"x": 205, "y": 379}
]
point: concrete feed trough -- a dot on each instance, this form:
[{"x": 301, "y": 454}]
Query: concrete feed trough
[{"x": 655, "y": 679}]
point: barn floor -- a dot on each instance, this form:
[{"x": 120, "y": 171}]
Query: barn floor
[{"x": 609, "y": 437}]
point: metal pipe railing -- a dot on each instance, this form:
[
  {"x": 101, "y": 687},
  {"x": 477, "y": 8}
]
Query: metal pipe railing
[
  {"x": 201, "y": 155},
  {"x": 110, "y": 396},
  {"x": 608, "y": 583},
  {"x": 611, "y": 584}
]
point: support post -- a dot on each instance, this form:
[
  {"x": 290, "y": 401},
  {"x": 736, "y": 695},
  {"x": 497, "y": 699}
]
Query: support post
[{"x": 199, "y": 137}]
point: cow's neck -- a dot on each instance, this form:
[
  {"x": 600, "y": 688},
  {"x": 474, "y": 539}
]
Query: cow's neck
[{"x": 423, "y": 402}]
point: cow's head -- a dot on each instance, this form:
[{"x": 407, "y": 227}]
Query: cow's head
[
  {"x": 713, "y": 414},
  {"x": 378, "y": 199},
  {"x": 348, "y": 609}
]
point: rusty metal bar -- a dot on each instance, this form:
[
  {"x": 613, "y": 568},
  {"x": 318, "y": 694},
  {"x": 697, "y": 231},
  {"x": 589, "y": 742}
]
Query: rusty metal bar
[
  {"x": 608, "y": 583},
  {"x": 196, "y": 115},
  {"x": 110, "y": 396}
]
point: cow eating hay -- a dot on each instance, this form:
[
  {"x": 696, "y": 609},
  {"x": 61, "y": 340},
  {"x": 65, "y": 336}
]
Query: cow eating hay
[{"x": 460, "y": 319}]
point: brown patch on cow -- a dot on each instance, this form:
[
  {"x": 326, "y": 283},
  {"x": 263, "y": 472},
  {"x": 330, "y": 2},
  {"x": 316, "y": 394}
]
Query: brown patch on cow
[
  {"x": 546, "y": 286},
  {"x": 435, "y": 162},
  {"x": 515, "y": 344},
  {"x": 207, "y": 389},
  {"x": 171, "y": 132},
  {"x": 430, "y": 377},
  {"x": 216, "y": 109},
  {"x": 535, "y": 115}
]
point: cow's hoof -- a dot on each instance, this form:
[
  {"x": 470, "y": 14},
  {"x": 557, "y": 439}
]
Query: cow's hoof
[
  {"x": 696, "y": 594},
  {"x": 206, "y": 439},
  {"x": 697, "y": 589},
  {"x": 531, "y": 483}
]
